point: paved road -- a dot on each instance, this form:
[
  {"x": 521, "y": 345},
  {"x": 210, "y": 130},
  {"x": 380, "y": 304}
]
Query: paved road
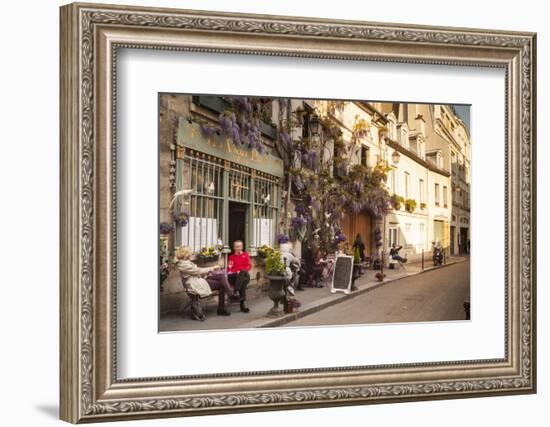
[{"x": 431, "y": 296}]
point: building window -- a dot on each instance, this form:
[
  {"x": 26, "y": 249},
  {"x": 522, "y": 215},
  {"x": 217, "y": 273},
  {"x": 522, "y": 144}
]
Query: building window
[
  {"x": 421, "y": 191},
  {"x": 393, "y": 181},
  {"x": 365, "y": 155},
  {"x": 265, "y": 211},
  {"x": 213, "y": 187},
  {"x": 204, "y": 205},
  {"x": 439, "y": 161},
  {"x": 436, "y": 194},
  {"x": 393, "y": 237},
  {"x": 444, "y": 196},
  {"x": 407, "y": 179}
]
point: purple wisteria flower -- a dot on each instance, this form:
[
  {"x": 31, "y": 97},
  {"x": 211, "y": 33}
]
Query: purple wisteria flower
[
  {"x": 298, "y": 221},
  {"x": 165, "y": 228},
  {"x": 282, "y": 238},
  {"x": 358, "y": 186},
  {"x": 315, "y": 204},
  {"x": 356, "y": 206},
  {"x": 339, "y": 237},
  {"x": 297, "y": 180},
  {"x": 286, "y": 141},
  {"x": 181, "y": 218},
  {"x": 209, "y": 130}
]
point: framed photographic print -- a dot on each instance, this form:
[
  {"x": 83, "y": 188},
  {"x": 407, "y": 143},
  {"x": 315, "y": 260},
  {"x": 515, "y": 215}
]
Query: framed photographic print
[{"x": 268, "y": 212}]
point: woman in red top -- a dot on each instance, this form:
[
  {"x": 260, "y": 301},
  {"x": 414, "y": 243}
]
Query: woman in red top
[{"x": 238, "y": 267}]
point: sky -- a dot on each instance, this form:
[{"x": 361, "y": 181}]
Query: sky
[{"x": 463, "y": 112}]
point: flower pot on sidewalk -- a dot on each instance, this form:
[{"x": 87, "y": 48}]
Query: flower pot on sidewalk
[
  {"x": 275, "y": 270},
  {"x": 276, "y": 293}
]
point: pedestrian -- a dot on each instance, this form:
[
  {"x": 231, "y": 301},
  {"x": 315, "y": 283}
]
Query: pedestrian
[{"x": 359, "y": 245}]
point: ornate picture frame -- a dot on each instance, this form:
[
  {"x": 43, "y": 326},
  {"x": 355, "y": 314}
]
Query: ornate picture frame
[{"x": 90, "y": 37}]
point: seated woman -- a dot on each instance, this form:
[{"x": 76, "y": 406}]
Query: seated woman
[{"x": 193, "y": 275}]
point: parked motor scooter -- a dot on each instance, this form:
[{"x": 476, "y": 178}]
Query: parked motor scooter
[{"x": 437, "y": 255}]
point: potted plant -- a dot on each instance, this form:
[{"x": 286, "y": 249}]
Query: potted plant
[
  {"x": 264, "y": 251},
  {"x": 208, "y": 254},
  {"x": 181, "y": 218},
  {"x": 165, "y": 228},
  {"x": 410, "y": 205},
  {"x": 396, "y": 201},
  {"x": 275, "y": 270}
]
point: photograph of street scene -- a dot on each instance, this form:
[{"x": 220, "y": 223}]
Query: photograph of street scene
[{"x": 286, "y": 212}]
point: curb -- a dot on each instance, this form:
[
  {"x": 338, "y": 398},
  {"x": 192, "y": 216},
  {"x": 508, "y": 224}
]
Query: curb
[{"x": 330, "y": 301}]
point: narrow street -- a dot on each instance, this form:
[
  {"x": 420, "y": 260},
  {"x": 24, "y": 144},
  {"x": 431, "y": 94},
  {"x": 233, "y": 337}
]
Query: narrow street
[{"x": 432, "y": 296}]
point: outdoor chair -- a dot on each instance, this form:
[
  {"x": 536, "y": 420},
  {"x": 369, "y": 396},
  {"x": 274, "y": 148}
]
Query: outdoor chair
[
  {"x": 195, "y": 303},
  {"x": 393, "y": 262}
]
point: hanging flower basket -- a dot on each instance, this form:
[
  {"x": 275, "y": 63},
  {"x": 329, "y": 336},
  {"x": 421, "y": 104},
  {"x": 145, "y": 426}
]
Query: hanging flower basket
[
  {"x": 208, "y": 254},
  {"x": 410, "y": 205},
  {"x": 165, "y": 228},
  {"x": 181, "y": 219}
]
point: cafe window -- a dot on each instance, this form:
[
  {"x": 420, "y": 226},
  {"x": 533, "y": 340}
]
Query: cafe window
[
  {"x": 213, "y": 184},
  {"x": 203, "y": 206},
  {"x": 265, "y": 210}
]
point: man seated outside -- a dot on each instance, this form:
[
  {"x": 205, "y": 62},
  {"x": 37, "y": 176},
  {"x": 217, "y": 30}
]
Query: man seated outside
[{"x": 238, "y": 268}]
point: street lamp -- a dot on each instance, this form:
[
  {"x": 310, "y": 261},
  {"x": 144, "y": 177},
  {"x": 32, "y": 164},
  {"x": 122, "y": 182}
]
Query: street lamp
[
  {"x": 395, "y": 157},
  {"x": 314, "y": 124}
]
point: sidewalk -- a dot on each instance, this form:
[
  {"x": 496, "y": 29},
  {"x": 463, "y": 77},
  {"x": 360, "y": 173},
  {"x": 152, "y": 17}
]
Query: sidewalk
[{"x": 312, "y": 300}]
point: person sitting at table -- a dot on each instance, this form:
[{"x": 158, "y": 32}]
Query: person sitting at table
[
  {"x": 238, "y": 272},
  {"x": 291, "y": 262},
  {"x": 203, "y": 280},
  {"x": 314, "y": 266}
]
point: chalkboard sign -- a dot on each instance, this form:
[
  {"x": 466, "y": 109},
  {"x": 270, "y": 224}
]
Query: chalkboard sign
[{"x": 341, "y": 274}]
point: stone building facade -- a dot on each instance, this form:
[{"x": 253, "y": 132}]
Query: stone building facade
[{"x": 233, "y": 193}]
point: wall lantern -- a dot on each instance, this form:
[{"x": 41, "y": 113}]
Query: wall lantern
[
  {"x": 314, "y": 124},
  {"x": 395, "y": 157}
]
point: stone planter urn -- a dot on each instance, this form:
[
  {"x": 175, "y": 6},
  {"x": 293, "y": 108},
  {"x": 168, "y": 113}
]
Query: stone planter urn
[{"x": 276, "y": 293}]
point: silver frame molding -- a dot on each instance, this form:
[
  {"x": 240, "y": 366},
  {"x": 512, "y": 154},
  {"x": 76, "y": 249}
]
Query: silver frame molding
[{"x": 90, "y": 37}]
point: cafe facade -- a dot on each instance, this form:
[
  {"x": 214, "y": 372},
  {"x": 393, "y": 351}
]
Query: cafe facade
[{"x": 229, "y": 193}]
